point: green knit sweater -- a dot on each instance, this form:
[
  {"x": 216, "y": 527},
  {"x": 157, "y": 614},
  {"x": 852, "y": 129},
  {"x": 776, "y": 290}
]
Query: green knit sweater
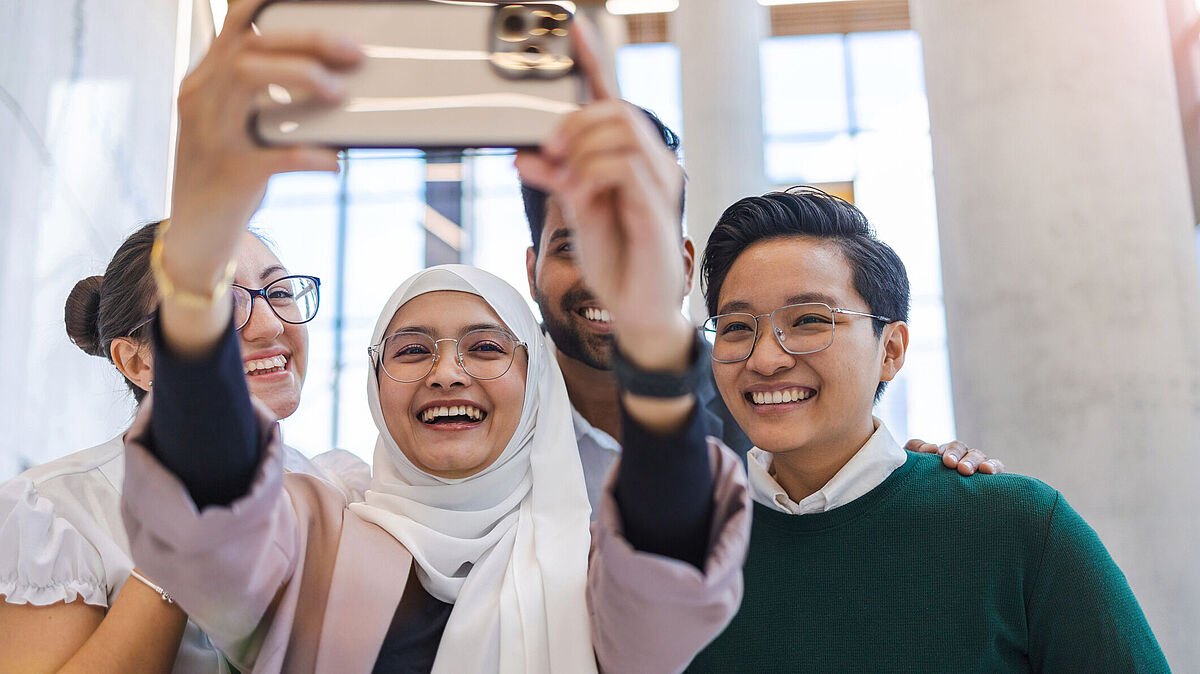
[{"x": 933, "y": 572}]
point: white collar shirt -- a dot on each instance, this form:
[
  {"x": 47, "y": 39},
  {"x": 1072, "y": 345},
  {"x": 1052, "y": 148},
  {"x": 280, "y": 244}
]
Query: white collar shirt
[
  {"x": 867, "y": 469},
  {"x": 598, "y": 451}
]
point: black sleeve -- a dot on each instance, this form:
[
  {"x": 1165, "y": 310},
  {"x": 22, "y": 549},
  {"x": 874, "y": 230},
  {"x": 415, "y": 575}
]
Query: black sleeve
[
  {"x": 202, "y": 427},
  {"x": 664, "y": 489}
]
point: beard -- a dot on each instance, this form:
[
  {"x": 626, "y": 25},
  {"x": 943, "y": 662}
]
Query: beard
[{"x": 591, "y": 349}]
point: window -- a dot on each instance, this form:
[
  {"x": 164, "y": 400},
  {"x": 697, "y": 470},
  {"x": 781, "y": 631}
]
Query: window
[
  {"x": 851, "y": 108},
  {"x": 837, "y": 108},
  {"x": 362, "y": 233}
]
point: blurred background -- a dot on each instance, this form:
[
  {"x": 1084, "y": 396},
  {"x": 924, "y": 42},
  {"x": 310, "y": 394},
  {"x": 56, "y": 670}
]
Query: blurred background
[{"x": 1035, "y": 163}]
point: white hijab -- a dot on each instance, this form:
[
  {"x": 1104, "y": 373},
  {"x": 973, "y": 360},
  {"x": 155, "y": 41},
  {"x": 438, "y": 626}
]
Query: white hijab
[{"x": 520, "y": 527}]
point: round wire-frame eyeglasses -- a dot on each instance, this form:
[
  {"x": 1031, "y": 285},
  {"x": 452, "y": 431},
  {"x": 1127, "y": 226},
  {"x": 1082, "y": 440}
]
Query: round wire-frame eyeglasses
[{"x": 807, "y": 327}]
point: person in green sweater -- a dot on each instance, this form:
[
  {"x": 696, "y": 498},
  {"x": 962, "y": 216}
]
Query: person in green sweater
[{"x": 857, "y": 552}]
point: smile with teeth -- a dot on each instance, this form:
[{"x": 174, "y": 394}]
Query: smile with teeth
[
  {"x": 777, "y": 397},
  {"x": 265, "y": 365},
  {"x": 431, "y": 415},
  {"x": 596, "y": 314}
]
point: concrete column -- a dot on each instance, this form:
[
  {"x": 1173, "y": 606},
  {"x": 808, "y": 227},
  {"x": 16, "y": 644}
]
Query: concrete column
[
  {"x": 1070, "y": 271},
  {"x": 722, "y": 111},
  {"x": 86, "y": 101}
]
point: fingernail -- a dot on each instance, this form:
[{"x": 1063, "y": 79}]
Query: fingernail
[
  {"x": 335, "y": 87},
  {"x": 968, "y": 465}
]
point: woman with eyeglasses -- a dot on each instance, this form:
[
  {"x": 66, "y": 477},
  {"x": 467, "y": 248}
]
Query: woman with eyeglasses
[{"x": 71, "y": 597}]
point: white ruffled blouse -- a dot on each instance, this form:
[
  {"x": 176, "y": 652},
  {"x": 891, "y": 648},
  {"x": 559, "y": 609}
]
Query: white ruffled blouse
[{"x": 62, "y": 538}]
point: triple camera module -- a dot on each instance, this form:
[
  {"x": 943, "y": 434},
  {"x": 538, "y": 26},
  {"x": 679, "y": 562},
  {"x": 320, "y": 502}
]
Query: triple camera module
[{"x": 531, "y": 40}]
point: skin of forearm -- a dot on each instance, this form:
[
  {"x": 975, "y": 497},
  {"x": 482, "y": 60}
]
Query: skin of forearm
[{"x": 140, "y": 633}]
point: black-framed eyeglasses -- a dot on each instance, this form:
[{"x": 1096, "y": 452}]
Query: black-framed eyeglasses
[
  {"x": 293, "y": 299},
  {"x": 408, "y": 356},
  {"x": 799, "y": 328}
]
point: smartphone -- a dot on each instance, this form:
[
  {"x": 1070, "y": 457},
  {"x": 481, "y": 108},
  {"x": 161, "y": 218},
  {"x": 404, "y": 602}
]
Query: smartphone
[{"x": 438, "y": 74}]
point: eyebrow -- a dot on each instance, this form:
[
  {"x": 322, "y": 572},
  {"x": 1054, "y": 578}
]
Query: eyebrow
[
  {"x": 739, "y": 306},
  {"x": 430, "y": 332},
  {"x": 561, "y": 233},
  {"x": 270, "y": 271}
]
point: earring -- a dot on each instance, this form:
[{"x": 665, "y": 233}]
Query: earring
[{"x": 151, "y": 384}]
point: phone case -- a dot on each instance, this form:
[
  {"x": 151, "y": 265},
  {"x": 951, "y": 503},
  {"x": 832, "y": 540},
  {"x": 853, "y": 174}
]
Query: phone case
[{"x": 439, "y": 74}]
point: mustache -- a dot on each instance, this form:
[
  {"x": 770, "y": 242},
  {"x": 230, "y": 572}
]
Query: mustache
[{"x": 575, "y": 297}]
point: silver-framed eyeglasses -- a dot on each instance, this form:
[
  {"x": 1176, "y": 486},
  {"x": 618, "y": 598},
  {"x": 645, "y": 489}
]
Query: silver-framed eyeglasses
[
  {"x": 799, "y": 328},
  {"x": 293, "y": 299},
  {"x": 410, "y": 356}
]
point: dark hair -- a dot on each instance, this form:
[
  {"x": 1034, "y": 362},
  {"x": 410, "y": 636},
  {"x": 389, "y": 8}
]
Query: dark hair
[
  {"x": 102, "y": 308},
  {"x": 879, "y": 275},
  {"x": 535, "y": 199}
]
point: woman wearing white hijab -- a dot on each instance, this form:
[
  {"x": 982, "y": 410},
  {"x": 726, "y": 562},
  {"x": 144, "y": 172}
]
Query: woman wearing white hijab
[
  {"x": 477, "y": 500},
  {"x": 527, "y": 546}
]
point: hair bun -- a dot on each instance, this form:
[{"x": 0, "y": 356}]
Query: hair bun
[{"x": 82, "y": 313}]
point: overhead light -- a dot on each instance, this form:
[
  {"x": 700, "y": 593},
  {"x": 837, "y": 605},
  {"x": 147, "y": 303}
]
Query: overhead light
[
  {"x": 769, "y": 3},
  {"x": 641, "y": 6}
]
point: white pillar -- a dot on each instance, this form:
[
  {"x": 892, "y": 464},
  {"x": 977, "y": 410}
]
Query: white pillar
[
  {"x": 86, "y": 101},
  {"x": 722, "y": 110},
  {"x": 1070, "y": 271}
]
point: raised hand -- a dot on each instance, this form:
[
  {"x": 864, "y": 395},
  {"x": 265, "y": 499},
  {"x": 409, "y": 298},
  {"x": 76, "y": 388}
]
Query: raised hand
[
  {"x": 620, "y": 188},
  {"x": 220, "y": 172}
]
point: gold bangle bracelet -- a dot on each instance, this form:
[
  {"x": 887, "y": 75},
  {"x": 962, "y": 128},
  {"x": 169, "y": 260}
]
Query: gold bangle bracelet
[{"x": 166, "y": 287}]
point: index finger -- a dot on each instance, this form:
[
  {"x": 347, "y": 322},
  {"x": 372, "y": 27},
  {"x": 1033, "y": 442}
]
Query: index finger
[
  {"x": 241, "y": 13},
  {"x": 599, "y": 72}
]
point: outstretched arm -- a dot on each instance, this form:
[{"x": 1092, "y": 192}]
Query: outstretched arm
[
  {"x": 201, "y": 404},
  {"x": 613, "y": 177},
  {"x": 199, "y": 426}
]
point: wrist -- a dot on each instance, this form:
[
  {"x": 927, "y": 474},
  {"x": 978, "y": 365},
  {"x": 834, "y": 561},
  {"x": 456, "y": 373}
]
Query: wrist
[
  {"x": 637, "y": 382},
  {"x": 659, "y": 347},
  {"x": 187, "y": 274}
]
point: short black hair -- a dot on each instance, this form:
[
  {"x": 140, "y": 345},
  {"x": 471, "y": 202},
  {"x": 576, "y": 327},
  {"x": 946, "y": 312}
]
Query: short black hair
[
  {"x": 535, "y": 199},
  {"x": 879, "y": 274}
]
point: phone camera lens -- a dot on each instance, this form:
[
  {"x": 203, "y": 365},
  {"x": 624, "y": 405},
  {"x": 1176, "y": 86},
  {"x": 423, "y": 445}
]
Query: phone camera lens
[
  {"x": 548, "y": 23},
  {"x": 513, "y": 24}
]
